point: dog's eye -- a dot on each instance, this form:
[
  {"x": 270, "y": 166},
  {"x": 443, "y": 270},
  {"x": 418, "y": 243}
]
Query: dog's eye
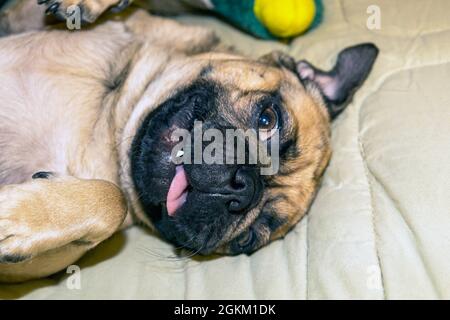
[
  {"x": 267, "y": 123},
  {"x": 268, "y": 119},
  {"x": 246, "y": 240}
]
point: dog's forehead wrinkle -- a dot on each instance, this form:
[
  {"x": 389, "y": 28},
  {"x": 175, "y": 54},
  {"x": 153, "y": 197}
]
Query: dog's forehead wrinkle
[
  {"x": 230, "y": 110},
  {"x": 246, "y": 75}
]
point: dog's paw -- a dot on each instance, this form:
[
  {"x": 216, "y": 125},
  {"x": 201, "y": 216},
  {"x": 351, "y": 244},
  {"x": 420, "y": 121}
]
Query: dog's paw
[
  {"x": 17, "y": 237},
  {"x": 20, "y": 240},
  {"x": 27, "y": 228},
  {"x": 89, "y": 10},
  {"x": 11, "y": 251}
]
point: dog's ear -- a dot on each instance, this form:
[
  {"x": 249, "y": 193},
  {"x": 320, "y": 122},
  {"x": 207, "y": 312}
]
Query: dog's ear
[
  {"x": 337, "y": 86},
  {"x": 279, "y": 59}
]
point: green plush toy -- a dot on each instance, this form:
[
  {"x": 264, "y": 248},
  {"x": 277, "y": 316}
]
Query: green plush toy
[{"x": 271, "y": 19}]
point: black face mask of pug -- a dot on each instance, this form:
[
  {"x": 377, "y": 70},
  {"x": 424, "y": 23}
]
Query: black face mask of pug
[{"x": 93, "y": 124}]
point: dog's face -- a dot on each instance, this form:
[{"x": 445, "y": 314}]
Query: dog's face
[{"x": 231, "y": 206}]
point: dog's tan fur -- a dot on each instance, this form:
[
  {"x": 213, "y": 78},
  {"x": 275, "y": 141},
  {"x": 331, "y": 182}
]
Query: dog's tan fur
[{"x": 74, "y": 110}]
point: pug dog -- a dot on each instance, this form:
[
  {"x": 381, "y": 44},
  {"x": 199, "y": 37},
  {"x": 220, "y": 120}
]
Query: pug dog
[{"x": 85, "y": 132}]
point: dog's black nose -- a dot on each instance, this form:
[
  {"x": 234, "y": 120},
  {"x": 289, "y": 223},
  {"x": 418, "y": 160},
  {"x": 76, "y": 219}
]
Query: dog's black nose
[{"x": 237, "y": 189}]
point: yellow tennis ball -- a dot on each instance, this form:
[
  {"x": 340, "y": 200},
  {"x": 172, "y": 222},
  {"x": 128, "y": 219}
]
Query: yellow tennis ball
[{"x": 285, "y": 18}]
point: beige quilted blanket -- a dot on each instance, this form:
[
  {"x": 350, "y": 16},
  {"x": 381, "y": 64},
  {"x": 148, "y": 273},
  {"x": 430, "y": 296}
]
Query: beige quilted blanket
[{"x": 380, "y": 226}]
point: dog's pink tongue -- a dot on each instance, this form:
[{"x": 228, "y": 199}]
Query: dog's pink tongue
[{"x": 177, "y": 192}]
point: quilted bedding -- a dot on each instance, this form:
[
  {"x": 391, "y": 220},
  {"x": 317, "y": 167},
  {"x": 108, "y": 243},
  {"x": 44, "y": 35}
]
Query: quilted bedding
[{"x": 380, "y": 225}]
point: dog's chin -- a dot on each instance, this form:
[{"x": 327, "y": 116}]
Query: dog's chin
[
  {"x": 197, "y": 223},
  {"x": 195, "y": 226}
]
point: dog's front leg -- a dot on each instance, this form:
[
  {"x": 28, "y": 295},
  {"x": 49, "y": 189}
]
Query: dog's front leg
[
  {"x": 48, "y": 223},
  {"x": 89, "y": 10}
]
